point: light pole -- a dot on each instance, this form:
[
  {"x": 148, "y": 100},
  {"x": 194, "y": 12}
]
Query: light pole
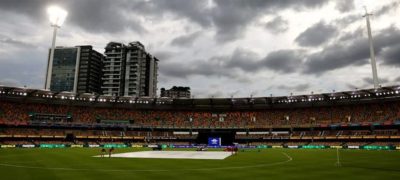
[
  {"x": 57, "y": 17},
  {"x": 371, "y": 50}
]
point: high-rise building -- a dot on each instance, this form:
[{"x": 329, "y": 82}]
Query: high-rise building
[
  {"x": 75, "y": 69},
  {"x": 129, "y": 70}
]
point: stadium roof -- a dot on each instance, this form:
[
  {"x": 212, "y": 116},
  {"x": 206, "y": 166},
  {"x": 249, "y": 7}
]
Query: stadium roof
[{"x": 391, "y": 91}]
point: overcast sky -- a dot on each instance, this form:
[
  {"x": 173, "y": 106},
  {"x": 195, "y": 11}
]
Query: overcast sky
[{"x": 218, "y": 48}]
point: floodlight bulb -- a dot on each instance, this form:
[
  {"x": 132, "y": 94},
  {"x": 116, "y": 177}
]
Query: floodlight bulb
[{"x": 57, "y": 15}]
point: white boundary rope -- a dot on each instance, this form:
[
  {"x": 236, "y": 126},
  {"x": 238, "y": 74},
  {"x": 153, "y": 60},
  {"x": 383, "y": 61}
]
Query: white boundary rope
[{"x": 289, "y": 158}]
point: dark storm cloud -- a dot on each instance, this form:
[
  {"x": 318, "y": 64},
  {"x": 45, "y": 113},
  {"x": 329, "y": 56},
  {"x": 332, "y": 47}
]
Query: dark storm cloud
[
  {"x": 114, "y": 16},
  {"x": 281, "y": 61},
  {"x": 164, "y": 55},
  {"x": 392, "y": 55},
  {"x": 218, "y": 66},
  {"x": 185, "y": 40},
  {"x": 103, "y": 16},
  {"x": 198, "y": 67},
  {"x": 386, "y": 8},
  {"x": 337, "y": 56},
  {"x": 316, "y": 35},
  {"x": 358, "y": 33},
  {"x": 232, "y": 17},
  {"x": 170, "y": 69},
  {"x": 344, "y": 5},
  {"x": 196, "y": 11},
  {"x": 355, "y": 52},
  {"x": 277, "y": 25},
  {"x": 357, "y": 15},
  {"x": 13, "y": 42},
  {"x": 285, "y": 61},
  {"x": 387, "y": 44},
  {"x": 33, "y": 8},
  {"x": 241, "y": 60},
  {"x": 90, "y": 15},
  {"x": 349, "y": 19}
]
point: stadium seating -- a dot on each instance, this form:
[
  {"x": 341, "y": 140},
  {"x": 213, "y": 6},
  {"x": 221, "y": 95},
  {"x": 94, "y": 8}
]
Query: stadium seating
[
  {"x": 17, "y": 113},
  {"x": 375, "y": 122}
]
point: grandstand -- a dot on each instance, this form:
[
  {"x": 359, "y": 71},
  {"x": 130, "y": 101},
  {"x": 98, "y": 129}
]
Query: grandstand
[{"x": 354, "y": 118}]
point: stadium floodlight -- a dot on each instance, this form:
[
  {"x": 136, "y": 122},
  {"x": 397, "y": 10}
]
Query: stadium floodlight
[
  {"x": 57, "y": 17},
  {"x": 371, "y": 49}
]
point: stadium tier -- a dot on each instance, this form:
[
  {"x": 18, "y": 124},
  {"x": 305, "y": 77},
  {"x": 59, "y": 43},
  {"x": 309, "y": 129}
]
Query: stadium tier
[{"x": 363, "y": 117}]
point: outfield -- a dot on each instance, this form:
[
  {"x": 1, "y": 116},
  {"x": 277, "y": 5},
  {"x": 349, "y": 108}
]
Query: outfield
[{"x": 79, "y": 163}]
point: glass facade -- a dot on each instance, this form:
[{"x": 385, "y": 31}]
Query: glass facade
[{"x": 63, "y": 71}]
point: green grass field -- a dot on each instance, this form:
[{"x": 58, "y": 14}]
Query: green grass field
[{"x": 78, "y": 163}]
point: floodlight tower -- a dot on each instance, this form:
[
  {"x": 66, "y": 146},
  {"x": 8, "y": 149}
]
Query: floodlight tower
[
  {"x": 371, "y": 49},
  {"x": 57, "y": 17}
]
